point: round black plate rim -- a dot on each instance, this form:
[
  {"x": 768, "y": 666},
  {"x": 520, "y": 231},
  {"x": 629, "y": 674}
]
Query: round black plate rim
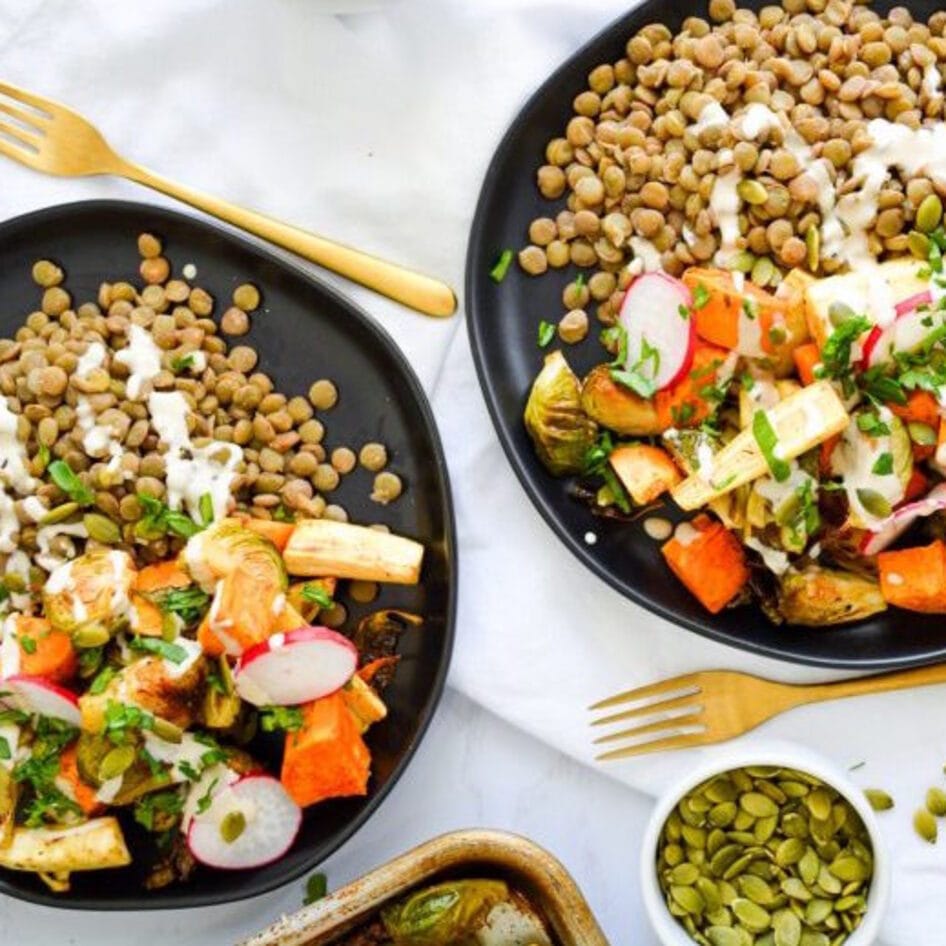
[
  {"x": 189, "y": 897},
  {"x": 477, "y": 268}
]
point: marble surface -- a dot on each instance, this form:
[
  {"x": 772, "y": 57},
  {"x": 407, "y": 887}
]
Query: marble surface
[{"x": 473, "y": 770}]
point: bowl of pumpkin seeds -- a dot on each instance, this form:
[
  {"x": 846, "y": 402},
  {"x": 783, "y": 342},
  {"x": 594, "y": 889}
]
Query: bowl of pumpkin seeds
[{"x": 767, "y": 846}]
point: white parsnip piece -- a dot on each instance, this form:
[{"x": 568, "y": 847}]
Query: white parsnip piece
[
  {"x": 801, "y": 421},
  {"x": 93, "y": 845},
  {"x": 320, "y": 548}
]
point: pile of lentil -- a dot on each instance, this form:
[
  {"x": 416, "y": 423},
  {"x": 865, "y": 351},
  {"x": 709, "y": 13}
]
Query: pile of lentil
[
  {"x": 287, "y": 469},
  {"x": 633, "y": 163}
]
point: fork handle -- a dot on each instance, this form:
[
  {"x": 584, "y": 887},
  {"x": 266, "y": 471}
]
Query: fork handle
[
  {"x": 879, "y": 683},
  {"x": 415, "y": 290}
]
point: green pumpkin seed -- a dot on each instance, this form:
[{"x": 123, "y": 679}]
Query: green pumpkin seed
[
  {"x": 59, "y": 514},
  {"x": 929, "y": 214},
  {"x": 758, "y": 805},
  {"x": 685, "y": 874},
  {"x": 849, "y": 868},
  {"x": 695, "y": 837},
  {"x": 755, "y": 889},
  {"x": 795, "y": 826},
  {"x": 754, "y": 918},
  {"x": 936, "y": 802},
  {"x": 817, "y": 911},
  {"x": 828, "y": 882},
  {"x": 925, "y": 826},
  {"x": 116, "y": 762},
  {"x": 673, "y": 855},
  {"x": 840, "y": 312},
  {"x": 90, "y": 636},
  {"x": 918, "y": 244},
  {"x": 794, "y": 789},
  {"x": 819, "y": 803},
  {"x": 721, "y": 790},
  {"x": 167, "y": 730},
  {"x": 766, "y": 939},
  {"x": 853, "y": 902},
  {"x": 813, "y": 248},
  {"x": 687, "y": 898},
  {"x": 789, "y": 852},
  {"x": 715, "y": 840},
  {"x": 794, "y": 888},
  {"x": 808, "y": 867},
  {"x": 720, "y": 917},
  {"x": 723, "y": 936},
  {"x": 765, "y": 828},
  {"x": 710, "y": 894},
  {"x": 876, "y": 504},
  {"x": 922, "y": 434},
  {"x": 786, "y": 928},
  {"x": 763, "y": 272},
  {"x": 232, "y": 826},
  {"x": 724, "y": 858},
  {"x": 752, "y": 191},
  {"x": 101, "y": 528},
  {"x": 741, "y": 262},
  {"x": 723, "y": 814},
  {"x": 814, "y": 939}
]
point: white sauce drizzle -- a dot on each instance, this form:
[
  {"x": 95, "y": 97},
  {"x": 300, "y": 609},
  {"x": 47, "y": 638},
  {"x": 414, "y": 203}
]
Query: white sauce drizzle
[
  {"x": 188, "y": 751},
  {"x": 97, "y": 441},
  {"x": 755, "y": 121},
  {"x": 142, "y": 358},
  {"x": 11, "y": 733},
  {"x": 658, "y": 528},
  {"x": 932, "y": 80},
  {"x": 724, "y": 203},
  {"x": 712, "y": 117},
  {"x": 34, "y": 508},
  {"x": 646, "y": 252},
  {"x": 93, "y": 357},
  {"x": 775, "y": 560},
  {"x": 45, "y": 557},
  {"x": 9, "y": 648},
  {"x": 192, "y": 471},
  {"x": 109, "y": 789},
  {"x": 194, "y": 651}
]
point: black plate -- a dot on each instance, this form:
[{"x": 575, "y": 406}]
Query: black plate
[
  {"x": 502, "y": 322},
  {"x": 305, "y": 331}
]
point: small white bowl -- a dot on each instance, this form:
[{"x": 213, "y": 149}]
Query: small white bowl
[{"x": 670, "y": 932}]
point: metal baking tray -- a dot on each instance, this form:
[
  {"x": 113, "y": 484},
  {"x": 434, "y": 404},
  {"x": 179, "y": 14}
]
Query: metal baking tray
[{"x": 524, "y": 864}]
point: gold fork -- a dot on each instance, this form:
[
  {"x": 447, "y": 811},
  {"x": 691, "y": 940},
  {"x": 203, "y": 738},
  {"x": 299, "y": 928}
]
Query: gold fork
[
  {"x": 47, "y": 136},
  {"x": 698, "y": 709}
]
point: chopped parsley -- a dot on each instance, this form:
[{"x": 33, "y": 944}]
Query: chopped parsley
[
  {"x": 206, "y": 507},
  {"x": 43, "y": 801},
  {"x": 701, "y": 296},
  {"x": 316, "y": 887},
  {"x": 883, "y": 465},
  {"x": 182, "y": 363},
  {"x": 122, "y": 720},
  {"x": 748, "y": 382},
  {"x": 5, "y": 752},
  {"x": 546, "y": 334},
  {"x": 498, "y": 272},
  {"x": 28, "y": 644},
  {"x": 683, "y": 413},
  {"x": 639, "y": 380},
  {"x": 169, "y": 803},
  {"x": 749, "y": 308},
  {"x": 90, "y": 659},
  {"x": 683, "y": 311},
  {"x": 870, "y": 423},
  {"x": 317, "y": 595},
  {"x": 767, "y": 439},
  {"x": 159, "y": 519},
  {"x": 205, "y": 800},
  {"x": 102, "y": 679},
  {"x": 68, "y": 481},
  {"x": 580, "y": 281},
  {"x": 284, "y": 718},
  {"x": 836, "y": 354},
  {"x": 188, "y": 604},
  {"x": 162, "y": 648},
  {"x": 282, "y": 513}
]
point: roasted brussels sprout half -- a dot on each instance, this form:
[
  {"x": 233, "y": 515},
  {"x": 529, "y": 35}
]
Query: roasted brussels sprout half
[
  {"x": 559, "y": 428},
  {"x": 464, "y": 913},
  {"x": 820, "y": 596},
  {"x": 616, "y": 407},
  {"x": 88, "y": 597}
]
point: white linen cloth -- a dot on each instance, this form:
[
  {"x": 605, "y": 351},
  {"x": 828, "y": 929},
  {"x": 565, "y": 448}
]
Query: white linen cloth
[{"x": 376, "y": 128}]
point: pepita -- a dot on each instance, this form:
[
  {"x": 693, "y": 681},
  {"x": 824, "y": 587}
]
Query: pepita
[
  {"x": 925, "y": 826},
  {"x": 813, "y": 248},
  {"x": 687, "y": 898},
  {"x": 685, "y": 874},
  {"x": 786, "y": 928},
  {"x": 918, "y": 244},
  {"x": 936, "y": 802},
  {"x": 101, "y": 528},
  {"x": 929, "y": 214},
  {"x": 755, "y": 889},
  {"x": 723, "y": 936},
  {"x": 116, "y": 762},
  {"x": 232, "y": 826},
  {"x": 879, "y": 799},
  {"x": 90, "y": 636},
  {"x": 754, "y": 918},
  {"x": 59, "y": 513},
  {"x": 752, "y": 192}
]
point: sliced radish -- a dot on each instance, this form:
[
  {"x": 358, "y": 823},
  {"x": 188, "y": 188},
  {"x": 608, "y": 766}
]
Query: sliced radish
[
  {"x": 904, "y": 334},
  {"x": 295, "y": 667},
  {"x": 901, "y": 519},
  {"x": 651, "y": 313},
  {"x": 249, "y": 823},
  {"x": 36, "y": 695},
  {"x": 211, "y": 783}
]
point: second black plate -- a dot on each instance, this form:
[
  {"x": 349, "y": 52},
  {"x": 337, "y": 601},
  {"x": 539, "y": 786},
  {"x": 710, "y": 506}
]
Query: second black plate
[
  {"x": 502, "y": 323},
  {"x": 304, "y": 331}
]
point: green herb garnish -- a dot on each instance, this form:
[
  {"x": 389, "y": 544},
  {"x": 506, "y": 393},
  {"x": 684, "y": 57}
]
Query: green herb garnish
[
  {"x": 883, "y": 465},
  {"x": 836, "y": 354},
  {"x": 316, "y": 887},
  {"x": 5, "y": 752},
  {"x": 285, "y": 718},
  {"x": 318, "y": 595},
  {"x": 871, "y": 424},
  {"x": 122, "y": 720},
  {"x": 498, "y": 272},
  {"x": 164, "y": 649},
  {"x": 701, "y": 296},
  {"x": 68, "y": 481},
  {"x": 206, "y": 508},
  {"x": 159, "y": 519},
  {"x": 546, "y": 334},
  {"x": 182, "y": 363},
  {"x": 28, "y": 644},
  {"x": 767, "y": 439},
  {"x": 169, "y": 802},
  {"x": 188, "y": 604},
  {"x": 283, "y": 513},
  {"x": 102, "y": 679},
  {"x": 205, "y": 800}
]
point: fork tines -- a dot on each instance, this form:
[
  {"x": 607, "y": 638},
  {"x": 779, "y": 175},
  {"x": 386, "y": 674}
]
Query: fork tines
[{"x": 668, "y": 713}]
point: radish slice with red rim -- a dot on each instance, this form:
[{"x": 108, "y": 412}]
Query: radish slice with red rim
[
  {"x": 901, "y": 519},
  {"x": 250, "y": 823},
  {"x": 38, "y": 696},
  {"x": 661, "y": 337},
  {"x": 906, "y": 333},
  {"x": 296, "y": 667}
]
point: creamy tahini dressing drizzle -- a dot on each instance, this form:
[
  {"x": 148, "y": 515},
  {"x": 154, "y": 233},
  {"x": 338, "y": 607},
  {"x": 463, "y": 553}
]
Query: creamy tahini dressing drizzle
[
  {"x": 775, "y": 560},
  {"x": 192, "y": 471},
  {"x": 142, "y": 358},
  {"x": 93, "y": 357},
  {"x": 646, "y": 252},
  {"x": 724, "y": 203},
  {"x": 97, "y": 440},
  {"x": 9, "y": 648},
  {"x": 45, "y": 558}
]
